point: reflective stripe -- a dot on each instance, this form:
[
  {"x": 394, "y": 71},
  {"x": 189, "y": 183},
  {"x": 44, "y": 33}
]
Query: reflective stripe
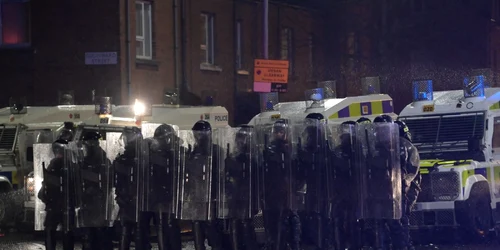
[{"x": 364, "y": 109}]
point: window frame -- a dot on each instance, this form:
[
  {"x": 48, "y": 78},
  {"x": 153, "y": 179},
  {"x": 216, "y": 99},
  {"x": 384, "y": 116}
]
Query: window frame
[
  {"x": 289, "y": 47},
  {"x": 144, "y": 39},
  {"x": 494, "y": 146},
  {"x": 28, "y": 24},
  {"x": 209, "y": 49},
  {"x": 239, "y": 44}
]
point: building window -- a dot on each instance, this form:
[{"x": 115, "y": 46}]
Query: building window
[
  {"x": 14, "y": 22},
  {"x": 239, "y": 46},
  {"x": 207, "y": 38},
  {"x": 311, "y": 54},
  {"x": 143, "y": 33},
  {"x": 287, "y": 46}
]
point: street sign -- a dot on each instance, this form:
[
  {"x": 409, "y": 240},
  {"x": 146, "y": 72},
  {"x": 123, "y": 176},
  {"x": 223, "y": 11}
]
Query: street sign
[
  {"x": 274, "y": 75},
  {"x": 101, "y": 58},
  {"x": 274, "y": 71},
  {"x": 276, "y": 64}
]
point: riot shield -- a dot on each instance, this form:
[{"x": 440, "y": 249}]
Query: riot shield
[
  {"x": 160, "y": 177},
  {"x": 380, "y": 172},
  {"x": 132, "y": 157},
  {"x": 279, "y": 188},
  {"x": 342, "y": 168},
  {"x": 237, "y": 173},
  {"x": 195, "y": 177},
  {"x": 310, "y": 165},
  {"x": 42, "y": 157},
  {"x": 93, "y": 174}
]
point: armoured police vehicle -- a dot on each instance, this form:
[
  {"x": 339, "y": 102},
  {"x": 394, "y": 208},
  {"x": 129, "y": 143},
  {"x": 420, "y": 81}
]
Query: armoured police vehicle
[{"x": 457, "y": 134}]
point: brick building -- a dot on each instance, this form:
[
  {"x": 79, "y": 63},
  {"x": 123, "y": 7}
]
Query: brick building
[
  {"x": 405, "y": 40},
  {"x": 182, "y": 46}
]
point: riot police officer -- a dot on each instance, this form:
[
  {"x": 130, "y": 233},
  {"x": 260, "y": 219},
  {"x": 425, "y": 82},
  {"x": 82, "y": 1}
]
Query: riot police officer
[
  {"x": 279, "y": 190},
  {"x": 94, "y": 176},
  {"x": 311, "y": 159},
  {"x": 392, "y": 226},
  {"x": 199, "y": 187},
  {"x": 52, "y": 195},
  {"x": 238, "y": 179},
  {"x": 410, "y": 165},
  {"x": 343, "y": 170},
  {"x": 126, "y": 168},
  {"x": 162, "y": 191}
]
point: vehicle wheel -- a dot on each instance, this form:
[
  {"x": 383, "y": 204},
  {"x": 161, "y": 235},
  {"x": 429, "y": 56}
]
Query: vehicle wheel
[
  {"x": 3, "y": 209},
  {"x": 480, "y": 214}
]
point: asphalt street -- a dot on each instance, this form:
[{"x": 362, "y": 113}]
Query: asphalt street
[{"x": 30, "y": 242}]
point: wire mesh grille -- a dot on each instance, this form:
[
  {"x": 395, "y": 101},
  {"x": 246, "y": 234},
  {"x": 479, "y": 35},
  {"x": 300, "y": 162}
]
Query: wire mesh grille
[
  {"x": 370, "y": 85},
  {"x": 258, "y": 222},
  {"x": 268, "y": 100},
  {"x": 445, "y": 185},
  {"x": 103, "y": 106},
  {"x": 330, "y": 89},
  {"x": 422, "y": 90}
]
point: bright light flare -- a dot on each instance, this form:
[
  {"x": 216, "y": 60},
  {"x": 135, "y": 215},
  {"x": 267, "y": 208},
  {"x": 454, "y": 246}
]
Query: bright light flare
[{"x": 139, "y": 108}]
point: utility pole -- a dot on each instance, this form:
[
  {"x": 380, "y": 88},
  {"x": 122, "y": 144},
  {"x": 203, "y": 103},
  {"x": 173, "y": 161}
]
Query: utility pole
[{"x": 265, "y": 28}]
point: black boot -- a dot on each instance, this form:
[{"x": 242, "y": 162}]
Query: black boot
[
  {"x": 174, "y": 233},
  {"x": 295, "y": 230},
  {"x": 249, "y": 235},
  {"x": 50, "y": 239},
  {"x": 89, "y": 239},
  {"x": 126, "y": 235},
  {"x": 142, "y": 232},
  {"x": 68, "y": 240},
  {"x": 163, "y": 231},
  {"x": 235, "y": 233},
  {"x": 199, "y": 235}
]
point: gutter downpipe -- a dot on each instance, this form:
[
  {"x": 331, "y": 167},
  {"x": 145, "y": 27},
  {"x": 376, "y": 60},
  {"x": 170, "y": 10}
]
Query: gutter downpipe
[
  {"x": 185, "y": 85},
  {"x": 127, "y": 51},
  {"x": 178, "y": 83},
  {"x": 235, "y": 44}
]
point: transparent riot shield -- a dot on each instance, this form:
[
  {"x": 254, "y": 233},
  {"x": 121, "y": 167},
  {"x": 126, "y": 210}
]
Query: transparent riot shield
[
  {"x": 380, "y": 172},
  {"x": 131, "y": 156},
  {"x": 93, "y": 174},
  {"x": 310, "y": 165},
  {"x": 42, "y": 158},
  {"x": 342, "y": 168},
  {"x": 279, "y": 188},
  {"x": 195, "y": 178},
  {"x": 237, "y": 173},
  {"x": 160, "y": 177}
]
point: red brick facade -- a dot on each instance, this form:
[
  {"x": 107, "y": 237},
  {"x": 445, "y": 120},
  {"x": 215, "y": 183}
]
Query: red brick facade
[{"x": 62, "y": 31}]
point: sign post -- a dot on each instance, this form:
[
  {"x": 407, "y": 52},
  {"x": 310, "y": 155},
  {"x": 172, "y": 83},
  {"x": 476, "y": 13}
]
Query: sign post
[{"x": 270, "y": 75}]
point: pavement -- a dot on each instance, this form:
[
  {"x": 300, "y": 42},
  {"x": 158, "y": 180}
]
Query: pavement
[{"x": 18, "y": 241}]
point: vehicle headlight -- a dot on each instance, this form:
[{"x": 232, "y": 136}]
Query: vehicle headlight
[
  {"x": 445, "y": 186},
  {"x": 139, "y": 108}
]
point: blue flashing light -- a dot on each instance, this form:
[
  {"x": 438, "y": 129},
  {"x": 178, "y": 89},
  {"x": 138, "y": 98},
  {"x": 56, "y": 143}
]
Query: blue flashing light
[
  {"x": 269, "y": 105},
  {"x": 209, "y": 101},
  {"x": 422, "y": 90},
  {"x": 474, "y": 86}
]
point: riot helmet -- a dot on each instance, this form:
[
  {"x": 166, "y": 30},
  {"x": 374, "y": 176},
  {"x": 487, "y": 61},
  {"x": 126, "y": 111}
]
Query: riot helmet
[
  {"x": 201, "y": 130},
  {"x": 164, "y": 134},
  {"x": 347, "y": 133},
  {"x": 382, "y": 119},
  {"x": 202, "y": 125},
  {"x": 404, "y": 131},
  {"x": 91, "y": 141},
  {"x": 315, "y": 116},
  {"x": 58, "y": 147},
  {"x": 67, "y": 132},
  {"x": 364, "y": 120},
  {"x": 244, "y": 138},
  {"x": 280, "y": 129}
]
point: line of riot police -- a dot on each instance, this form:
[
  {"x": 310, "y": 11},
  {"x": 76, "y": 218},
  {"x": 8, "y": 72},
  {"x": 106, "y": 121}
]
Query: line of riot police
[{"x": 333, "y": 186}]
